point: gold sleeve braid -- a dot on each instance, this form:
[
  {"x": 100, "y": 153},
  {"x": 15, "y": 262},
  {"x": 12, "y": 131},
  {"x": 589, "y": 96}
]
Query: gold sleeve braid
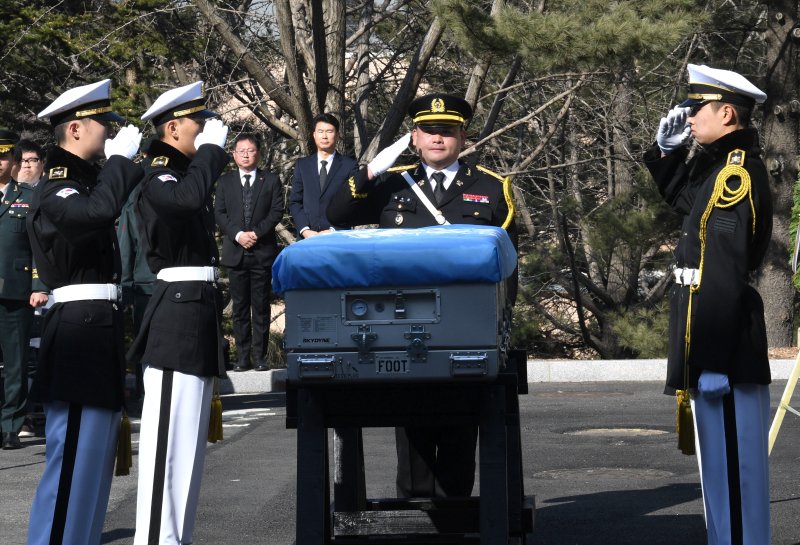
[
  {"x": 722, "y": 197},
  {"x": 507, "y": 193},
  {"x": 356, "y": 195}
]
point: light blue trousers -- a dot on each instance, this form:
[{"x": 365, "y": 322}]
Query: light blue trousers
[
  {"x": 72, "y": 496},
  {"x": 732, "y": 436}
]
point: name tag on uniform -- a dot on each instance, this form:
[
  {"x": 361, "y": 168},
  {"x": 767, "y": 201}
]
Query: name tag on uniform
[{"x": 468, "y": 197}]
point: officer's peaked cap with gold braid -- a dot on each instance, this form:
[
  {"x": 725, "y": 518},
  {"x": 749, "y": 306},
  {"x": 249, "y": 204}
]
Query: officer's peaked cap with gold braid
[
  {"x": 91, "y": 101},
  {"x": 708, "y": 84},
  {"x": 8, "y": 140},
  {"x": 186, "y": 101},
  {"x": 439, "y": 109}
]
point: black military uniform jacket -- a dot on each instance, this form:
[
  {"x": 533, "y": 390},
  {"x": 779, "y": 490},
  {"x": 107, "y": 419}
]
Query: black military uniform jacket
[
  {"x": 71, "y": 229},
  {"x": 18, "y": 275},
  {"x": 181, "y": 326},
  {"x": 476, "y": 196},
  {"x": 727, "y": 331}
]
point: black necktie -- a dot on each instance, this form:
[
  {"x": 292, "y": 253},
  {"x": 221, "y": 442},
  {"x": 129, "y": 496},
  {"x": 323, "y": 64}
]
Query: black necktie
[
  {"x": 323, "y": 175},
  {"x": 438, "y": 190},
  {"x": 247, "y": 213}
]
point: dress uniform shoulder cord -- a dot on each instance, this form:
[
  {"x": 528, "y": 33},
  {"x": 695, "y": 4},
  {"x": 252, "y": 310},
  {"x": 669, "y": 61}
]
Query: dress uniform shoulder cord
[
  {"x": 507, "y": 192},
  {"x": 722, "y": 197}
]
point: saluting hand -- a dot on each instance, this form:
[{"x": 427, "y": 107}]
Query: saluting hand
[
  {"x": 673, "y": 130},
  {"x": 386, "y": 158},
  {"x": 215, "y": 132},
  {"x": 126, "y": 143}
]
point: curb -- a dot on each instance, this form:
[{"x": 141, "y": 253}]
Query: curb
[{"x": 251, "y": 382}]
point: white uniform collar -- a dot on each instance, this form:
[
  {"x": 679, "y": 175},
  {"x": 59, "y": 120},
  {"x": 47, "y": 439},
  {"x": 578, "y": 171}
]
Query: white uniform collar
[
  {"x": 252, "y": 174},
  {"x": 449, "y": 172}
]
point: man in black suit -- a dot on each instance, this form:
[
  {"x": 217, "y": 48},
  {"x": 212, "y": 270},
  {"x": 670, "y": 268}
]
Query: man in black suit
[
  {"x": 248, "y": 207},
  {"x": 317, "y": 178}
]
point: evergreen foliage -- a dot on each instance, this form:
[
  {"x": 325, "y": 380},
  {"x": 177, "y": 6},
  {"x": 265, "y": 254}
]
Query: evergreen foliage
[
  {"x": 643, "y": 331},
  {"x": 570, "y": 91},
  {"x": 573, "y": 34}
]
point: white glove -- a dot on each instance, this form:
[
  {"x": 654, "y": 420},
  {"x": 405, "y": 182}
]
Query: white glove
[
  {"x": 386, "y": 158},
  {"x": 673, "y": 130},
  {"x": 126, "y": 143},
  {"x": 712, "y": 385},
  {"x": 215, "y": 132}
]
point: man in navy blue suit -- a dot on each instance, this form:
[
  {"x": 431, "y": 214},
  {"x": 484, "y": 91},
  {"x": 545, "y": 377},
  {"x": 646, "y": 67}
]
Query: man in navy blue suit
[{"x": 317, "y": 178}]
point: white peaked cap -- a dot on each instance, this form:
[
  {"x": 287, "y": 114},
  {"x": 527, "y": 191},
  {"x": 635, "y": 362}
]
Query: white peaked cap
[
  {"x": 706, "y": 84},
  {"x": 91, "y": 101},
  {"x": 186, "y": 101}
]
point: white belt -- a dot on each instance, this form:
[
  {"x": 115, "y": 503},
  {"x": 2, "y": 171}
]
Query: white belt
[
  {"x": 88, "y": 292},
  {"x": 183, "y": 274},
  {"x": 687, "y": 277}
]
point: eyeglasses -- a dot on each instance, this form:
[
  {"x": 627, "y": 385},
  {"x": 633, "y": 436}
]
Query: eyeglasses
[
  {"x": 246, "y": 152},
  {"x": 31, "y": 161}
]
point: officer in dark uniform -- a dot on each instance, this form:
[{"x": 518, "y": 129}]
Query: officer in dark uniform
[
  {"x": 180, "y": 342},
  {"x": 432, "y": 461},
  {"x": 16, "y": 298},
  {"x": 717, "y": 337},
  {"x": 81, "y": 366}
]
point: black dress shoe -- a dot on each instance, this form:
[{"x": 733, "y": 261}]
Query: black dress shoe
[
  {"x": 238, "y": 368},
  {"x": 262, "y": 367},
  {"x": 11, "y": 441}
]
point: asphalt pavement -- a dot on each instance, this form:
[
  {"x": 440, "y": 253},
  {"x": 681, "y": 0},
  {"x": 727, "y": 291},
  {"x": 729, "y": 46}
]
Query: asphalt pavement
[{"x": 600, "y": 458}]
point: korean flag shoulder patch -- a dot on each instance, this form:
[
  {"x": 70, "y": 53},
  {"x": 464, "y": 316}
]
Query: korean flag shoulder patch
[
  {"x": 66, "y": 192},
  {"x": 167, "y": 178}
]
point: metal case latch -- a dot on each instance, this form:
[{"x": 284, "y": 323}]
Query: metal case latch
[
  {"x": 364, "y": 339},
  {"x": 416, "y": 348},
  {"x": 399, "y": 306}
]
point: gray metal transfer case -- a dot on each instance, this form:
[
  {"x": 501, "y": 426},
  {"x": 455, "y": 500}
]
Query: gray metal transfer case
[{"x": 458, "y": 331}]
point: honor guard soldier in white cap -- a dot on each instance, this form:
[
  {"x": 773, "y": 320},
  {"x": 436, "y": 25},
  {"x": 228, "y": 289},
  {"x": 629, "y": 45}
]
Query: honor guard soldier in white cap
[
  {"x": 431, "y": 461},
  {"x": 180, "y": 341},
  {"x": 717, "y": 341},
  {"x": 81, "y": 368}
]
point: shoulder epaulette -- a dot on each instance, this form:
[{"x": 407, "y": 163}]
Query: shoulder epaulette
[
  {"x": 57, "y": 173},
  {"x": 490, "y": 173},
  {"x": 161, "y": 161},
  {"x": 736, "y": 157},
  {"x": 402, "y": 168}
]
